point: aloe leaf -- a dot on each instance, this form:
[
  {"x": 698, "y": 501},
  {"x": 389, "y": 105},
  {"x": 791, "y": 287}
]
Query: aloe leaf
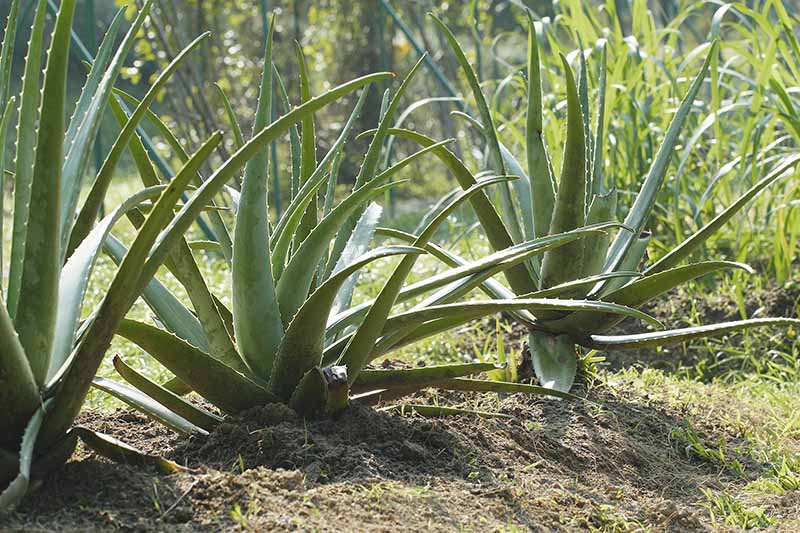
[
  {"x": 428, "y": 411},
  {"x": 357, "y": 245},
  {"x": 488, "y": 265},
  {"x": 7, "y": 51},
  {"x": 508, "y": 209},
  {"x": 519, "y": 278},
  {"x": 369, "y": 167},
  {"x": 80, "y": 140},
  {"x": 540, "y": 170},
  {"x": 358, "y": 350},
  {"x": 418, "y": 378},
  {"x": 36, "y": 319},
  {"x": 256, "y": 316},
  {"x": 583, "y": 97},
  {"x": 632, "y": 261},
  {"x": 478, "y": 385},
  {"x": 677, "y": 254},
  {"x": 75, "y": 278},
  {"x": 639, "y": 292},
  {"x": 19, "y": 393},
  {"x": 116, "y": 450},
  {"x": 301, "y": 347},
  {"x": 676, "y": 336},
  {"x": 287, "y": 226},
  {"x": 210, "y": 378},
  {"x": 172, "y": 402},
  {"x": 91, "y": 206},
  {"x": 555, "y": 360},
  {"x": 602, "y": 209},
  {"x": 296, "y": 280},
  {"x": 5, "y": 118},
  {"x": 598, "y": 172},
  {"x": 645, "y": 200},
  {"x": 308, "y": 149},
  {"x": 169, "y": 310},
  {"x": 25, "y": 150},
  {"x": 18, "y": 487},
  {"x": 147, "y": 406},
  {"x": 311, "y": 394},
  {"x": 221, "y": 232},
  {"x": 566, "y": 263},
  {"x": 294, "y": 134},
  {"x": 119, "y": 297},
  {"x": 232, "y": 120}
]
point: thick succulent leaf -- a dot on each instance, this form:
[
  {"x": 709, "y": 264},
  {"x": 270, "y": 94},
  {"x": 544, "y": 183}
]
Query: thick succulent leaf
[
  {"x": 645, "y": 200},
  {"x": 36, "y": 319},
  {"x": 286, "y": 227},
  {"x": 7, "y": 51},
  {"x": 636, "y": 294},
  {"x": 296, "y": 280},
  {"x": 631, "y": 262},
  {"x": 418, "y": 378},
  {"x": 89, "y": 114},
  {"x": 147, "y": 406},
  {"x": 598, "y": 170},
  {"x": 124, "y": 288},
  {"x": 256, "y": 317},
  {"x": 301, "y": 348},
  {"x": 116, "y": 450},
  {"x": 540, "y": 170},
  {"x": 183, "y": 265},
  {"x": 75, "y": 278},
  {"x": 477, "y": 272},
  {"x": 238, "y": 137},
  {"x": 435, "y": 411},
  {"x": 566, "y": 263},
  {"x": 602, "y": 209},
  {"x": 509, "y": 211},
  {"x": 19, "y": 393},
  {"x": 308, "y": 149},
  {"x": 94, "y": 200},
  {"x": 25, "y": 150},
  {"x": 477, "y": 385},
  {"x": 369, "y": 167},
  {"x": 294, "y": 134},
  {"x": 676, "y": 336},
  {"x": 171, "y": 401},
  {"x": 679, "y": 253},
  {"x": 221, "y": 232},
  {"x": 358, "y": 350},
  {"x": 555, "y": 360},
  {"x": 519, "y": 277},
  {"x": 356, "y": 246},
  {"x": 218, "y": 383},
  {"x": 18, "y": 487},
  {"x": 5, "y": 118},
  {"x": 169, "y": 310},
  {"x": 311, "y": 394}
]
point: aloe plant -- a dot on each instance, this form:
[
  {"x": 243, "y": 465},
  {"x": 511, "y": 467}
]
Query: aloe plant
[
  {"x": 50, "y": 356},
  {"x": 598, "y": 268},
  {"x": 292, "y": 334}
]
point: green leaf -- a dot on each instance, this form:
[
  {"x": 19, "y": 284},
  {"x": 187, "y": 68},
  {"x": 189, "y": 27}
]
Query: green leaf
[
  {"x": 417, "y": 378},
  {"x": 75, "y": 278},
  {"x": 28, "y": 116},
  {"x": 19, "y": 393},
  {"x": 439, "y": 411},
  {"x": 231, "y": 114},
  {"x": 85, "y": 124},
  {"x": 118, "y": 451},
  {"x": 539, "y": 168},
  {"x": 172, "y": 402},
  {"x": 18, "y": 487},
  {"x": 218, "y": 383},
  {"x": 679, "y": 253},
  {"x": 256, "y": 315},
  {"x": 7, "y": 52},
  {"x": 477, "y": 385},
  {"x": 676, "y": 336},
  {"x": 94, "y": 200},
  {"x": 308, "y": 149},
  {"x": 519, "y": 278},
  {"x": 645, "y": 200},
  {"x": 555, "y": 360},
  {"x": 147, "y": 406},
  {"x": 5, "y": 118},
  {"x": 566, "y": 263},
  {"x": 36, "y": 319},
  {"x": 301, "y": 348}
]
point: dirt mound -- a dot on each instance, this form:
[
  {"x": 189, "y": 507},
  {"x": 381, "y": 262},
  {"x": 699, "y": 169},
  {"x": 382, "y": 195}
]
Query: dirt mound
[{"x": 612, "y": 462}]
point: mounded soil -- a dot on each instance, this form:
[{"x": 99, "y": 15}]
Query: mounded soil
[{"x": 611, "y": 463}]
